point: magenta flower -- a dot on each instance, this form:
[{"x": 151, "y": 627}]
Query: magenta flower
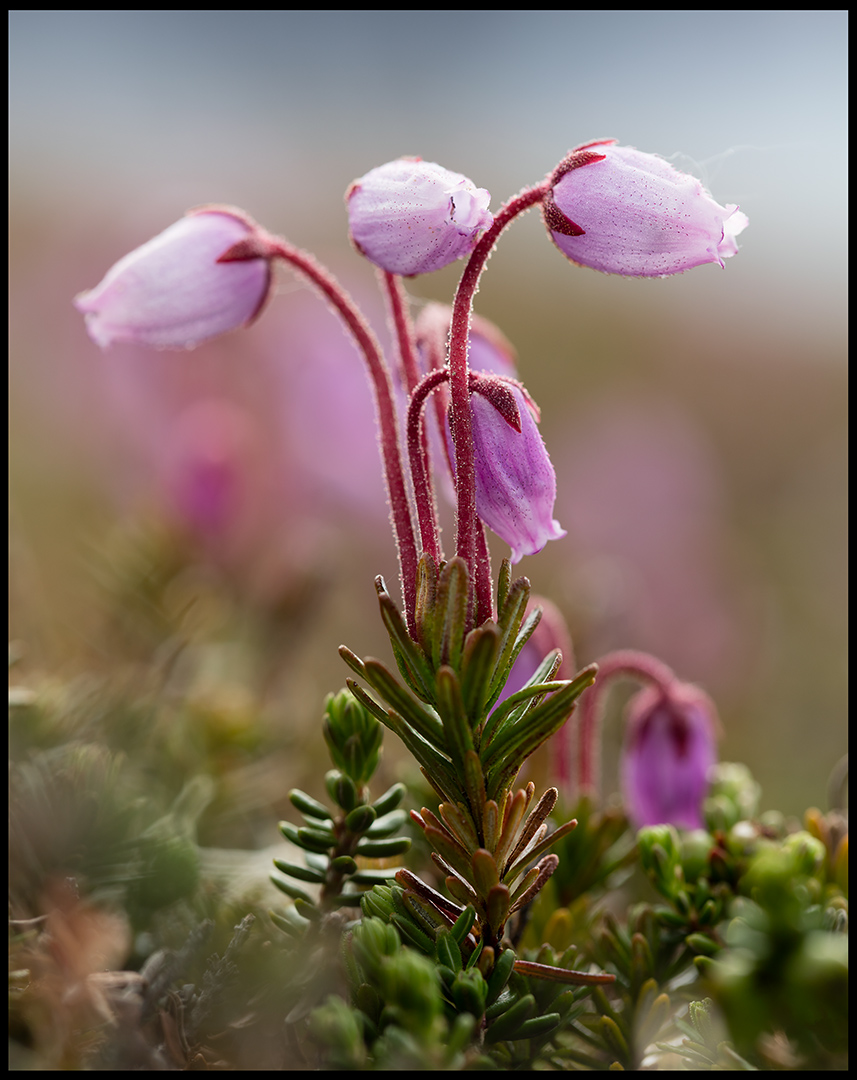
[
  {"x": 173, "y": 292},
  {"x": 668, "y": 753},
  {"x": 412, "y": 216},
  {"x": 515, "y": 481},
  {"x": 616, "y": 209}
]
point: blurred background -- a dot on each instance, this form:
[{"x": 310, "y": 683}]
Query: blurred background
[{"x": 229, "y": 501}]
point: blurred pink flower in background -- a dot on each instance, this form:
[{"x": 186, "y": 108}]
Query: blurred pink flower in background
[
  {"x": 640, "y": 495},
  {"x": 330, "y": 432},
  {"x": 208, "y": 463},
  {"x": 260, "y": 448},
  {"x": 252, "y": 444},
  {"x": 669, "y": 750}
]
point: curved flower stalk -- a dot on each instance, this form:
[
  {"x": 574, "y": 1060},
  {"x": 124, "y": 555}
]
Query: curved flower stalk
[
  {"x": 468, "y": 529},
  {"x": 653, "y": 228},
  {"x": 515, "y": 480},
  {"x": 210, "y": 272},
  {"x": 488, "y": 348},
  {"x": 670, "y": 742},
  {"x": 488, "y": 351}
]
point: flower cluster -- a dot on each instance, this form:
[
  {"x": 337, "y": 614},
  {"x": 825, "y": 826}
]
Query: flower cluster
[
  {"x": 482, "y": 678},
  {"x": 605, "y": 206}
]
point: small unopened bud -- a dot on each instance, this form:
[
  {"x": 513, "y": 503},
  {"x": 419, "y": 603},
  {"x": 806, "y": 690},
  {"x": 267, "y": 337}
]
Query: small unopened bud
[
  {"x": 174, "y": 292},
  {"x": 412, "y": 216},
  {"x": 616, "y": 209}
]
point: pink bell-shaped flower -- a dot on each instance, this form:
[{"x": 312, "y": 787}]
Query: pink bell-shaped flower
[
  {"x": 515, "y": 481},
  {"x": 670, "y": 747},
  {"x": 412, "y": 216},
  {"x": 176, "y": 291},
  {"x": 616, "y": 209}
]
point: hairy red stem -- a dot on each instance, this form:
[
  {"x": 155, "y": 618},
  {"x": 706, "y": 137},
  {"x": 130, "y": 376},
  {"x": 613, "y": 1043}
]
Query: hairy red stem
[
  {"x": 467, "y": 523},
  {"x": 625, "y": 663}
]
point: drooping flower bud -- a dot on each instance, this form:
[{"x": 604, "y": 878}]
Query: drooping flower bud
[
  {"x": 412, "y": 216},
  {"x": 668, "y": 754},
  {"x": 177, "y": 290},
  {"x": 515, "y": 481},
  {"x": 616, "y": 209}
]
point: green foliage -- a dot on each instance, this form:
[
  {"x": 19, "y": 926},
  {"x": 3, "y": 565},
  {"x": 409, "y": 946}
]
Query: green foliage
[
  {"x": 166, "y": 861},
  {"x": 353, "y": 737},
  {"x": 746, "y": 904},
  {"x": 335, "y": 1027},
  {"x": 470, "y": 749},
  {"x": 784, "y": 968},
  {"x": 337, "y": 843},
  {"x": 738, "y": 962},
  {"x": 721, "y": 948},
  {"x": 705, "y": 1046},
  {"x": 401, "y": 999},
  {"x": 418, "y": 989}
]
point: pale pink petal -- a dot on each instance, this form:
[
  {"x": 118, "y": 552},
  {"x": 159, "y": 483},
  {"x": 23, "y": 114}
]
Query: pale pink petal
[
  {"x": 172, "y": 293},
  {"x": 639, "y": 216},
  {"x": 412, "y": 216}
]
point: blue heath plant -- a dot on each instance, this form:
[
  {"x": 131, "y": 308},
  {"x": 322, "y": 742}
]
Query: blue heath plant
[{"x": 493, "y": 952}]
